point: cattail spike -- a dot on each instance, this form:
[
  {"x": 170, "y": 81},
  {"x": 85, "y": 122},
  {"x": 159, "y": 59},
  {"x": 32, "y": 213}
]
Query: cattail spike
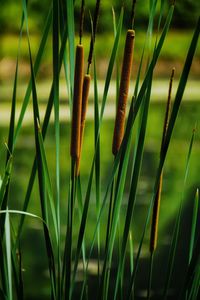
[
  {"x": 123, "y": 91},
  {"x": 86, "y": 88},
  {"x": 76, "y": 114},
  {"x": 156, "y": 207}
]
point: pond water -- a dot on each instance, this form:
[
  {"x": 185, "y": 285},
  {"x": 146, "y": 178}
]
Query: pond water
[{"x": 33, "y": 249}]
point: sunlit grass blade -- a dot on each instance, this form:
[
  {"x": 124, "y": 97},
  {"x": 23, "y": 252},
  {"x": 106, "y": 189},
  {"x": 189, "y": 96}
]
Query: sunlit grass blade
[{"x": 8, "y": 256}]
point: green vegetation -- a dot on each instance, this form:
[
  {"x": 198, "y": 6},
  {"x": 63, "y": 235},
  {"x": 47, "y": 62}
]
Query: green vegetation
[{"x": 70, "y": 235}]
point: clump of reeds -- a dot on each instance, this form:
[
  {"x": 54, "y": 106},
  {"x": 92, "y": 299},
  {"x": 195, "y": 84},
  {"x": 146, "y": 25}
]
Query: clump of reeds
[
  {"x": 123, "y": 91},
  {"x": 156, "y": 208}
]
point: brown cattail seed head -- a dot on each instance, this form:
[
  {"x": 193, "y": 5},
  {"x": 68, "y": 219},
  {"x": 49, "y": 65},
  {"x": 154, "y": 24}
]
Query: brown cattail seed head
[
  {"x": 86, "y": 88},
  {"x": 77, "y": 99},
  {"x": 123, "y": 91}
]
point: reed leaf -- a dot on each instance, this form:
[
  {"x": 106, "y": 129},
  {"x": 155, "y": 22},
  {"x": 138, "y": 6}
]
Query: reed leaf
[
  {"x": 194, "y": 224},
  {"x": 8, "y": 256}
]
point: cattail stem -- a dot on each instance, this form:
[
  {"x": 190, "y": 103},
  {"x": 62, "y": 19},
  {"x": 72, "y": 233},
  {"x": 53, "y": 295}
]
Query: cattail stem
[
  {"x": 77, "y": 103},
  {"x": 94, "y": 29},
  {"x": 81, "y": 21},
  {"x": 155, "y": 217},
  {"x": 85, "y": 95},
  {"x": 156, "y": 207},
  {"x": 168, "y": 108},
  {"x": 123, "y": 91},
  {"x": 132, "y": 19}
]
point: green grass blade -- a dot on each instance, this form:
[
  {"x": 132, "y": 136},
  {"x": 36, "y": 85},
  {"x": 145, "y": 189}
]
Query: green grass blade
[
  {"x": 83, "y": 223},
  {"x": 97, "y": 158},
  {"x": 50, "y": 255},
  {"x": 80, "y": 207},
  {"x": 40, "y": 165},
  {"x": 44, "y": 130},
  {"x": 55, "y": 43},
  {"x": 194, "y": 224},
  {"x": 111, "y": 63},
  {"x": 3, "y": 203},
  {"x": 48, "y": 183},
  {"x": 69, "y": 240},
  {"x": 194, "y": 291},
  {"x": 5, "y": 180},
  {"x": 36, "y": 68},
  {"x": 55, "y": 47},
  {"x": 8, "y": 256}
]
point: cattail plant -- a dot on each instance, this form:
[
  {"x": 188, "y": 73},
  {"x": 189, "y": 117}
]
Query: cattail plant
[
  {"x": 87, "y": 77},
  {"x": 123, "y": 91},
  {"x": 78, "y": 88},
  {"x": 156, "y": 208}
]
